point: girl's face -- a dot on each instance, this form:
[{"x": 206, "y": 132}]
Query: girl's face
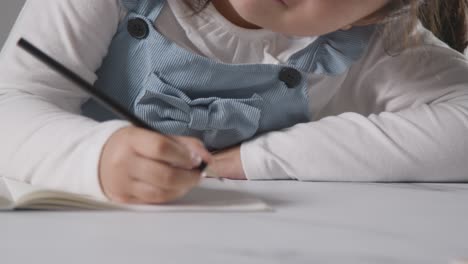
[{"x": 305, "y": 17}]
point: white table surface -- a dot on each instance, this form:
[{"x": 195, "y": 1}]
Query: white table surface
[{"x": 312, "y": 223}]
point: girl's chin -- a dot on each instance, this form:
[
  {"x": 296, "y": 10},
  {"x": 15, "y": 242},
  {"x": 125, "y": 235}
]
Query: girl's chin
[{"x": 282, "y": 2}]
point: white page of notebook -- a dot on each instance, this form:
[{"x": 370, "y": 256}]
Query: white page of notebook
[
  {"x": 211, "y": 195},
  {"x": 5, "y": 195}
]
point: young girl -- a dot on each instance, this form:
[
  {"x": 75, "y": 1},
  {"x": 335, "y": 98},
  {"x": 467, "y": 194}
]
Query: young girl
[{"x": 310, "y": 90}]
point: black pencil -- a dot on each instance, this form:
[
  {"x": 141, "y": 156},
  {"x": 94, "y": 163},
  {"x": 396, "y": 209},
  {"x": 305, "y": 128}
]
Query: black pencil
[{"x": 95, "y": 93}]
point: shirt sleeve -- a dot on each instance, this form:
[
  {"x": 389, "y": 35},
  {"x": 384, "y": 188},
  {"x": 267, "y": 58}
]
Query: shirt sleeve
[
  {"x": 44, "y": 140},
  {"x": 409, "y": 122}
]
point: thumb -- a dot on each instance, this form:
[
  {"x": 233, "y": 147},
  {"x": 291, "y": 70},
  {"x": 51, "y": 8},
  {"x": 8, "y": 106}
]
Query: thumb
[{"x": 195, "y": 146}]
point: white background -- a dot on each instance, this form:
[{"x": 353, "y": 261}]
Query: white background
[{"x": 9, "y": 10}]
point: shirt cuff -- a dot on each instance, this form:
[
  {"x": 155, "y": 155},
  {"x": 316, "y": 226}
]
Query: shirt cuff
[
  {"x": 91, "y": 181},
  {"x": 259, "y": 163}
]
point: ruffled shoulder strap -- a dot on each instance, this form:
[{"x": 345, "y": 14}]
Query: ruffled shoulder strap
[
  {"x": 130, "y": 4},
  {"x": 333, "y": 53},
  {"x": 148, "y": 8}
]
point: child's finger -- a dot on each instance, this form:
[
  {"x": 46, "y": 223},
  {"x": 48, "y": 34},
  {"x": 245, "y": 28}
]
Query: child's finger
[
  {"x": 196, "y": 146},
  {"x": 148, "y": 194},
  {"x": 126, "y": 199},
  {"x": 157, "y": 147},
  {"x": 163, "y": 176}
]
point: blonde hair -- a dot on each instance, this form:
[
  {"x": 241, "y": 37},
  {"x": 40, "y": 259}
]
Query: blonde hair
[{"x": 447, "y": 19}]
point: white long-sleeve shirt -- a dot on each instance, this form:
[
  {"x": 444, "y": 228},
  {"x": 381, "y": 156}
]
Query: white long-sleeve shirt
[{"x": 388, "y": 118}]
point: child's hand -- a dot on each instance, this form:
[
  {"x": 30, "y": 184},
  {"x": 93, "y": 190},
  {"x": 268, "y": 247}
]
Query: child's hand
[
  {"x": 228, "y": 164},
  {"x": 140, "y": 166}
]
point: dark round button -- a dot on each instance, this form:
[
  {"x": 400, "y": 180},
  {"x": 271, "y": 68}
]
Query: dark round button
[
  {"x": 291, "y": 77},
  {"x": 138, "y": 28}
]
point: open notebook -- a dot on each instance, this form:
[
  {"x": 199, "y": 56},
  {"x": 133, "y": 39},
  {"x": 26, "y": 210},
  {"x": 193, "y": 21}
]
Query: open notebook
[{"x": 212, "y": 195}]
